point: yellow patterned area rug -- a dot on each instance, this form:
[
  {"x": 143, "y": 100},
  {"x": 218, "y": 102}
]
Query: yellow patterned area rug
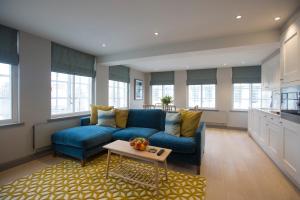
[{"x": 68, "y": 180}]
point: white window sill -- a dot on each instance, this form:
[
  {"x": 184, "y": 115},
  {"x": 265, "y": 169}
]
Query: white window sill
[
  {"x": 12, "y": 124},
  {"x": 68, "y": 116},
  {"x": 238, "y": 110},
  {"x": 205, "y": 109}
]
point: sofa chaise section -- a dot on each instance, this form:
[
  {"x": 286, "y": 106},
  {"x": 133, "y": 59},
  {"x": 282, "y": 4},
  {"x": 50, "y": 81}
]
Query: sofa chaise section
[{"x": 82, "y": 142}]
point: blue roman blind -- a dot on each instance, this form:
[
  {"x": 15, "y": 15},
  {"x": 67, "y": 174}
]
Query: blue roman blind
[
  {"x": 251, "y": 74},
  {"x": 119, "y": 73},
  {"x": 162, "y": 78},
  {"x": 8, "y": 46},
  {"x": 201, "y": 77},
  {"x": 70, "y": 61}
]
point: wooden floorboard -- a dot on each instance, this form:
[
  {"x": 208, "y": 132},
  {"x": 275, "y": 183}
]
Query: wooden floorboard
[
  {"x": 236, "y": 168},
  {"x": 233, "y": 164}
]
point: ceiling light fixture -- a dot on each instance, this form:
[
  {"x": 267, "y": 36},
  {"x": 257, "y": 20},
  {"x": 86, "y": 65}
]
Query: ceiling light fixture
[
  {"x": 103, "y": 45},
  {"x": 156, "y": 33},
  {"x": 277, "y": 18},
  {"x": 238, "y": 17}
]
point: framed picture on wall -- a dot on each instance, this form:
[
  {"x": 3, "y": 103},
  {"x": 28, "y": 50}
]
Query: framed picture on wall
[{"x": 138, "y": 89}]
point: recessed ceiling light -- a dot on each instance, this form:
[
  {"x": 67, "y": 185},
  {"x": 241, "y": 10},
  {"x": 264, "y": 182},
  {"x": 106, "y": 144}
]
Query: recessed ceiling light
[
  {"x": 103, "y": 45},
  {"x": 156, "y": 33},
  {"x": 224, "y": 64},
  {"x": 238, "y": 17},
  {"x": 277, "y": 18}
]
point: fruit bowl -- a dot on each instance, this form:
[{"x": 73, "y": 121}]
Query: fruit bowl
[{"x": 139, "y": 143}]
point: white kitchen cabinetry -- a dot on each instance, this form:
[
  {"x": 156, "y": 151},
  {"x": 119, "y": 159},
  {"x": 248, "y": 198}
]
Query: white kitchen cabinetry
[
  {"x": 291, "y": 151},
  {"x": 270, "y": 72},
  {"x": 279, "y": 138},
  {"x": 264, "y": 140},
  {"x": 290, "y": 54},
  {"x": 275, "y": 141}
]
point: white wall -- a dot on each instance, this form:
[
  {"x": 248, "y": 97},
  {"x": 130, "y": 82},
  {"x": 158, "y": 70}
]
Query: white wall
[
  {"x": 180, "y": 93},
  {"x": 134, "y": 74},
  {"x": 35, "y": 91},
  {"x": 101, "y": 84},
  {"x": 223, "y": 115}
]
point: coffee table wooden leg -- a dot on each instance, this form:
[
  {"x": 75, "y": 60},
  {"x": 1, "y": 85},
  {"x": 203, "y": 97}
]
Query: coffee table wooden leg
[
  {"x": 120, "y": 159},
  {"x": 166, "y": 169},
  {"x": 108, "y": 161},
  {"x": 156, "y": 177}
]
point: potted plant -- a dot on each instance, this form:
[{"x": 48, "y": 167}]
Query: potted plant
[{"x": 166, "y": 100}]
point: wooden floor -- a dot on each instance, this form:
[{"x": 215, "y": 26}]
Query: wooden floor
[{"x": 235, "y": 168}]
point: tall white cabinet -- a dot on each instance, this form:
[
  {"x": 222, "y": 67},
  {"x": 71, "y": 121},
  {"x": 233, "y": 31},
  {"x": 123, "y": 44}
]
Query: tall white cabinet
[
  {"x": 279, "y": 138},
  {"x": 270, "y": 72},
  {"x": 290, "y": 54}
]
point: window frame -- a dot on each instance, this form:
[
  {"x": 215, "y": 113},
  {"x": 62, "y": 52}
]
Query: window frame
[
  {"x": 73, "y": 114},
  {"x": 14, "y": 80},
  {"x": 250, "y": 97},
  {"x": 201, "y": 97},
  {"x": 162, "y": 89},
  {"x": 127, "y": 93}
]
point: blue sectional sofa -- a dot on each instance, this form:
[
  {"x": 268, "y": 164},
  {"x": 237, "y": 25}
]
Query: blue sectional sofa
[{"x": 87, "y": 140}]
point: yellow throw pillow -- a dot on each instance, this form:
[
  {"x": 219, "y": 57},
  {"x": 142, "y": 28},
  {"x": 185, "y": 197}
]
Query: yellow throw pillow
[
  {"x": 189, "y": 122},
  {"x": 121, "y": 118},
  {"x": 94, "y": 112}
]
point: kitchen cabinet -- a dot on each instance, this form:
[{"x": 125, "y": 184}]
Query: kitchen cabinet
[
  {"x": 290, "y": 54},
  {"x": 280, "y": 140},
  {"x": 264, "y": 129},
  {"x": 275, "y": 140},
  {"x": 270, "y": 72},
  {"x": 291, "y": 149}
]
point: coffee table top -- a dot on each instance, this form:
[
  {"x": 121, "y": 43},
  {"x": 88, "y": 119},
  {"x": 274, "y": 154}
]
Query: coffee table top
[{"x": 124, "y": 148}]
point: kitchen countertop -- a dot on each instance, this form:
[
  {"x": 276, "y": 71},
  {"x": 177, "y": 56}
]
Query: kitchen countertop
[{"x": 270, "y": 111}]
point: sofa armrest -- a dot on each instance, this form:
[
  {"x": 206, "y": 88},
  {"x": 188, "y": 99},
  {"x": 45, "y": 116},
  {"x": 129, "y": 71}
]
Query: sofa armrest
[
  {"x": 200, "y": 140},
  {"x": 84, "y": 121}
]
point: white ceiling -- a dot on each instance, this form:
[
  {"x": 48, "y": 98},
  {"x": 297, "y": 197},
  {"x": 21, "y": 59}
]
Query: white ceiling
[
  {"x": 229, "y": 57},
  {"x": 129, "y": 24}
]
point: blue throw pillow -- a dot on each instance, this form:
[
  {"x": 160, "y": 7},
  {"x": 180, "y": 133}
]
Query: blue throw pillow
[
  {"x": 172, "y": 125},
  {"x": 106, "y": 118}
]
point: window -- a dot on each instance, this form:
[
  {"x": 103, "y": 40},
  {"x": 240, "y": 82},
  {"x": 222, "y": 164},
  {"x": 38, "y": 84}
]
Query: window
[
  {"x": 160, "y": 91},
  {"x": 8, "y": 94},
  {"x": 70, "y": 93},
  {"x": 118, "y": 94},
  {"x": 246, "y": 95},
  {"x": 203, "y": 96}
]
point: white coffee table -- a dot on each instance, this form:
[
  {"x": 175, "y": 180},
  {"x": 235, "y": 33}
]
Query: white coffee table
[{"x": 139, "y": 175}]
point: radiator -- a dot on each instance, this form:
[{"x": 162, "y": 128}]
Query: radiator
[
  {"x": 42, "y": 132},
  {"x": 219, "y": 118}
]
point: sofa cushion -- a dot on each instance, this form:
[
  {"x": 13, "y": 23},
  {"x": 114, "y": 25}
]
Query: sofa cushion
[
  {"x": 189, "y": 123},
  {"x": 154, "y": 119},
  {"x": 177, "y": 144},
  {"x": 121, "y": 118},
  {"x": 83, "y": 136},
  {"x": 107, "y": 118},
  {"x": 94, "y": 112},
  {"x": 172, "y": 124},
  {"x": 133, "y": 132}
]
